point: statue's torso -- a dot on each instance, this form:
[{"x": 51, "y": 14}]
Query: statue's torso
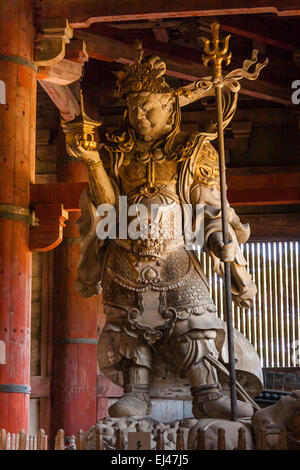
[{"x": 151, "y": 275}]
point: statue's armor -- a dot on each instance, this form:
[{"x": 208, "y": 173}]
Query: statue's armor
[
  {"x": 155, "y": 294},
  {"x": 154, "y": 288}
]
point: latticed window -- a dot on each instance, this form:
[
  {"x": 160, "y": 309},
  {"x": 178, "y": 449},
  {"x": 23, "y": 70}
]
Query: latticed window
[{"x": 273, "y": 324}]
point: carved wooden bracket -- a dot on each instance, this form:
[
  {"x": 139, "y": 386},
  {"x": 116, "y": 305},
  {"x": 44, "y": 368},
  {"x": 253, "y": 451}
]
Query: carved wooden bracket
[
  {"x": 48, "y": 233},
  {"x": 51, "y": 42},
  {"x": 60, "y": 62},
  {"x": 76, "y": 51},
  {"x": 51, "y": 203},
  {"x": 69, "y": 68},
  {"x": 63, "y": 73}
]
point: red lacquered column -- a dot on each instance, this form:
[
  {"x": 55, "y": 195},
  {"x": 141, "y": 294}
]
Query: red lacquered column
[
  {"x": 17, "y": 156},
  {"x": 74, "y": 385}
]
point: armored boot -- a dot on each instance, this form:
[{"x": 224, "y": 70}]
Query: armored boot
[
  {"x": 208, "y": 399},
  {"x": 136, "y": 399}
]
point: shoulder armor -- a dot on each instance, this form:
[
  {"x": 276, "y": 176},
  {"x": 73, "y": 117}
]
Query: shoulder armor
[{"x": 207, "y": 166}]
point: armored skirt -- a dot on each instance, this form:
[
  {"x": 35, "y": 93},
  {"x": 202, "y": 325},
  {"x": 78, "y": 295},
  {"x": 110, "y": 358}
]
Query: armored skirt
[{"x": 149, "y": 302}]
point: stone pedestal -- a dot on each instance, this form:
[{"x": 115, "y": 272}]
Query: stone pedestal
[{"x": 190, "y": 427}]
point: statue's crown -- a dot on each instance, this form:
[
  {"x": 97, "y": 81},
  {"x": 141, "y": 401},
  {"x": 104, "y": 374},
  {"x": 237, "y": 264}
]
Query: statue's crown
[{"x": 145, "y": 74}]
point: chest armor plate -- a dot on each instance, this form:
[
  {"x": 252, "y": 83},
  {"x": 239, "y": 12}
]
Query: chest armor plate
[{"x": 135, "y": 173}]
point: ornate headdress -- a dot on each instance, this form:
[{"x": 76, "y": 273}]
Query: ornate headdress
[{"x": 145, "y": 74}]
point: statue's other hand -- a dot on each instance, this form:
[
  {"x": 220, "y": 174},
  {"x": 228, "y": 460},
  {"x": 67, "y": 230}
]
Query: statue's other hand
[
  {"x": 225, "y": 252},
  {"x": 79, "y": 152}
]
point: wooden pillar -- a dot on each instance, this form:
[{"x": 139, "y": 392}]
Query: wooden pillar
[
  {"x": 74, "y": 386},
  {"x": 17, "y": 156}
]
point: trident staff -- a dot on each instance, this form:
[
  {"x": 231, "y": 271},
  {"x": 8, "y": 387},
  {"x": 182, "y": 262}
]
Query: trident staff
[{"x": 216, "y": 54}]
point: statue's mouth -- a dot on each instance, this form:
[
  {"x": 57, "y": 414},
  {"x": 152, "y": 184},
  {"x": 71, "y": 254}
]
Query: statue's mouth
[
  {"x": 143, "y": 125},
  {"x": 150, "y": 253}
]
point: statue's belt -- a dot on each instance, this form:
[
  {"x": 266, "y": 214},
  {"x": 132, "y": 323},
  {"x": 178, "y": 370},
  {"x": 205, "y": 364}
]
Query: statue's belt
[
  {"x": 151, "y": 285},
  {"x": 169, "y": 246}
]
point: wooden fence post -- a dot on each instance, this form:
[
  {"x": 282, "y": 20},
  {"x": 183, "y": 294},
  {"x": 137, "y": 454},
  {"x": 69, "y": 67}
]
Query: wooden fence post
[
  {"x": 179, "y": 439},
  {"x": 221, "y": 439},
  {"x": 241, "y": 439},
  {"x": 13, "y": 442},
  {"x": 200, "y": 440},
  {"x": 22, "y": 440},
  {"x": 45, "y": 442},
  {"x": 119, "y": 439},
  {"x": 40, "y": 439},
  {"x": 80, "y": 440},
  {"x": 282, "y": 441},
  {"x": 8, "y": 436},
  {"x": 260, "y": 440},
  {"x": 60, "y": 440},
  {"x": 160, "y": 441},
  {"x": 2, "y": 439}
]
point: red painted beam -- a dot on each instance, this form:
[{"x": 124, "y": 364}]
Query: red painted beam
[
  {"x": 48, "y": 233},
  {"x": 281, "y": 36},
  {"x": 67, "y": 194},
  {"x": 264, "y": 189},
  {"x": 81, "y": 14}
]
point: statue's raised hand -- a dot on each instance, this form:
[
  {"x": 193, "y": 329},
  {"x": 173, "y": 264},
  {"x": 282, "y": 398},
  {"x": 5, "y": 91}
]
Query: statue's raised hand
[{"x": 86, "y": 156}]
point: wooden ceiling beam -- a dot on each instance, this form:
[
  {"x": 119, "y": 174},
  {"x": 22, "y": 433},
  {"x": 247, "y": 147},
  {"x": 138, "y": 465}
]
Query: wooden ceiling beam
[
  {"x": 113, "y": 45},
  {"x": 63, "y": 98},
  {"x": 67, "y": 194},
  {"x": 82, "y": 13},
  {"x": 281, "y": 36},
  {"x": 272, "y": 227}
]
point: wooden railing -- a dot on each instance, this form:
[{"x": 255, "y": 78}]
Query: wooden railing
[
  {"x": 23, "y": 441},
  {"x": 39, "y": 441}
]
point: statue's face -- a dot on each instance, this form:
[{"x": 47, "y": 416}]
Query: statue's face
[{"x": 150, "y": 114}]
